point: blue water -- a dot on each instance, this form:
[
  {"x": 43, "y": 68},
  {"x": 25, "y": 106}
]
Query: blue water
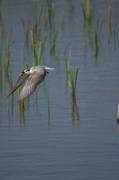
[{"x": 54, "y": 146}]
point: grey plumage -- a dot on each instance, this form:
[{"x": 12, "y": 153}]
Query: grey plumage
[{"x": 31, "y": 77}]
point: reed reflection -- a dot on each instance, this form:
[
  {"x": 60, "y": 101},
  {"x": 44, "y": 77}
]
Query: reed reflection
[{"x": 22, "y": 118}]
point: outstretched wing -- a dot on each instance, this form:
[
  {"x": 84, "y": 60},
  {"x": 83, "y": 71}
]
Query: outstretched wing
[
  {"x": 22, "y": 77},
  {"x": 30, "y": 86}
]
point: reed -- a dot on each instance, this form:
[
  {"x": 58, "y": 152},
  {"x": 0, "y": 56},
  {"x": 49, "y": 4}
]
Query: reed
[
  {"x": 53, "y": 27},
  {"x": 53, "y": 44},
  {"x": 87, "y": 9},
  {"x": 67, "y": 55},
  {"x": 38, "y": 48},
  {"x": 110, "y": 20},
  {"x": 2, "y": 26},
  {"x": 44, "y": 28},
  {"x": 50, "y": 13},
  {"x": 71, "y": 77},
  {"x": 110, "y": 30},
  {"x": 1, "y": 78},
  {"x": 5, "y": 65},
  {"x": 6, "y": 57}
]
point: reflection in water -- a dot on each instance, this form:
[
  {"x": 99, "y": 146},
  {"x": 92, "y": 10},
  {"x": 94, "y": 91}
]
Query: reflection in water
[
  {"x": 49, "y": 111},
  {"x": 48, "y": 104},
  {"x": 11, "y": 110},
  {"x": 22, "y": 110}
]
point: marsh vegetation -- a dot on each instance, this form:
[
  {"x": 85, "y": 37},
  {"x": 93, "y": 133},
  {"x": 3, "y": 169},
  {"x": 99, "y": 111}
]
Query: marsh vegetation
[{"x": 42, "y": 40}]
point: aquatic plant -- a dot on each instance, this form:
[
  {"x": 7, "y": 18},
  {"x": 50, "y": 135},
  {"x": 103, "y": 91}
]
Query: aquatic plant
[
  {"x": 87, "y": 9},
  {"x": 50, "y": 13},
  {"x": 2, "y": 26},
  {"x": 110, "y": 20},
  {"x": 38, "y": 48},
  {"x": 1, "y": 77},
  {"x": 53, "y": 27},
  {"x": 111, "y": 31},
  {"x": 44, "y": 32},
  {"x": 6, "y": 57},
  {"x": 54, "y": 43},
  {"x": 71, "y": 78},
  {"x": 6, "y": 62}
]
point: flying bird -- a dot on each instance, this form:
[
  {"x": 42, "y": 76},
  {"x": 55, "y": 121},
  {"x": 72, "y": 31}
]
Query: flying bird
[{"x": 30, "y": 78}]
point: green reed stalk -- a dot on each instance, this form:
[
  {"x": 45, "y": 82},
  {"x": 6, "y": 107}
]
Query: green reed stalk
[
  {"x": 1, "y": 82},
  {"x": 71, "y": 77},
  {"x": 50, "y": 12},
  {"x": 87, "y": 9},
  {"x": 38, "y": 48},
  {"x": 6, "y": 58}
]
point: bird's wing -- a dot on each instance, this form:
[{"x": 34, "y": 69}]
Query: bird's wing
[
  {"x": 29, "y": 86},
  {"x": 21, "y": 78}
]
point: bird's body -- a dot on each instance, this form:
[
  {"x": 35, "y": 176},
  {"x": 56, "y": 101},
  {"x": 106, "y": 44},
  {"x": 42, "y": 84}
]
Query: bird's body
[{"x": 31, "y": 77}]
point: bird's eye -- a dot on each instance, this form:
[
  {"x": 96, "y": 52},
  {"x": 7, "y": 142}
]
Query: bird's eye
[{"x": 24, "y": 71}]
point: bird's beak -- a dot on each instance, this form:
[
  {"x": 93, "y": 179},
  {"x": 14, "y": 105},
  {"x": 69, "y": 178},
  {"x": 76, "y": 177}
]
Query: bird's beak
[{"x": 48, "y": 68}]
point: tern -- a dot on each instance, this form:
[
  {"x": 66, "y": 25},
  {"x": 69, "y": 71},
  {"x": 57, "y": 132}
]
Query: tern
[{"x": 30, "y": 78}]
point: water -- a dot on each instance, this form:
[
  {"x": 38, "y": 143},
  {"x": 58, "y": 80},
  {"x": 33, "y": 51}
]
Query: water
[{"x": 44, "y": 141}]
